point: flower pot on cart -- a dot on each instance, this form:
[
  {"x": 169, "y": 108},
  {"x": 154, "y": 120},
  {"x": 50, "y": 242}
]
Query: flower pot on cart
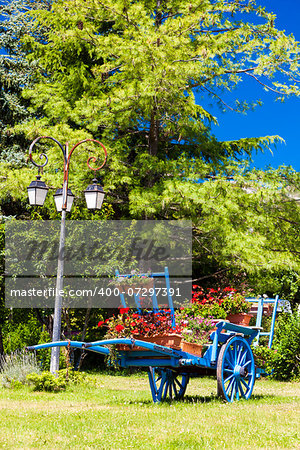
[
  {"x": 240, "y": 319},
  {"x": 168, "y": 340},
  {"x": 194, "y": 349}
]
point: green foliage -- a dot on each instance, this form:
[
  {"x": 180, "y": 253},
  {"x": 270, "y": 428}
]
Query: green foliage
[
  {"x": 15, "y": 367},
  {"x": 196, "y": 329},
  {"x": 16, "y": 337},
  {"x": 132, "y": 69},
  {"x": 235, "y": 304},
  {"x": 203, "y": 310},
  {"x": 48, "y": 382},
  {"x": 16, "y": 73},
  {"x": 287, "y": 347},
  {"x": 265, "y": 358},
  {"x": 44, "y": 355}
]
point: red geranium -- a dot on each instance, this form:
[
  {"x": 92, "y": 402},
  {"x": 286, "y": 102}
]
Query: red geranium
[
  {"x": 119, "y": 328},
  {"x": 100, "y": 323}
]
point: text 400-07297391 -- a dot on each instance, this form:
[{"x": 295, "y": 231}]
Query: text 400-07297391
[{"x": 139, "y": 291}]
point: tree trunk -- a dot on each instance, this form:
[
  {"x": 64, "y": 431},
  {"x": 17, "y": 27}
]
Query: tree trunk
[
  {"x": 153, "y": 134},
  {"x": 86, "y": 323},
  {"x": 1, "y": 342},
  {"x": 83, "y": 334},
  {"x": 154, "y": 122}
]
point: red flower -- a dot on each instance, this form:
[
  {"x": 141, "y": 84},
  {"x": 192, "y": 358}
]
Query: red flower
[
  {"x": 100, "y": 323},
  {"x": 135, "y": 316},
  {"x": 119, "y": 328},
  {"x": 135, "y": 331},
  {"x": 124, "y": 310}
]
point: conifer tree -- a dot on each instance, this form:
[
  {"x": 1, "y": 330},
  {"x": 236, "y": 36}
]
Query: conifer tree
[{"x": 16, "y": 73}]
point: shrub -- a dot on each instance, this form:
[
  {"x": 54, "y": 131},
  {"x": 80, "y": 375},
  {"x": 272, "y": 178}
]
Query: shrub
[
  {"x": 15, "y": 368},
  {"x": 287, "y": 346},
  {"x": 16, "y": 337},
  {"x": 48, "y": 382},
  {"x": 264, "y": 358}
]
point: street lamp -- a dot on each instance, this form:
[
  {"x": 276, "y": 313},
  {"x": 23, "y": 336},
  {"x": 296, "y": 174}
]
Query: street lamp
[
  {"x": 58, "y": 198},
  {"x": 94, "y": 195},
  {"x": 37, "y": 191}
]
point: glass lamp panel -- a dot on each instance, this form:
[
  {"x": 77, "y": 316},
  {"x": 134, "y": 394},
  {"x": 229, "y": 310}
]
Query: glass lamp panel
[
  {"x": 31, "y": 195},
  {"x": 70, "y": 199},
  {"x": 91, "y": 199},
  {"x": 37, "y": 191},
  {"x": 40, "y": 196},
  {"x": 100, "y": 198},
  {"x": 58, "y": 202}
]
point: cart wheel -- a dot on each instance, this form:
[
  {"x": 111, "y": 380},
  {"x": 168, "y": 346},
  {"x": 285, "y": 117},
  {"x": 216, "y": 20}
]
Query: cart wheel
[
  {"x": 167, "y": 384},
  {"x": 235, "y": 370}
]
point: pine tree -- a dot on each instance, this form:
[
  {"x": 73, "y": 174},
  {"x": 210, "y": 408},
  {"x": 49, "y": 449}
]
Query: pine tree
[
  {"x": 130, "y": 70},
  {"x": 16, "y": 73}
]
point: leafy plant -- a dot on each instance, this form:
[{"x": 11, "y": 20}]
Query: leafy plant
[
  {"x": 264, "y": 358},
  {"x": 18, "y": 336},
  {"x": 219, "y": 302},
  {"x": 287, "y": 346},
  {"x": 235, "y": 303},
  {"x": 46, "y": 381},
  {"x": 196, "y": 329},
  {"x": 208, "y": 310},
  {"x": 15, "y": 368},
  {"x": 130, "y": 324}
]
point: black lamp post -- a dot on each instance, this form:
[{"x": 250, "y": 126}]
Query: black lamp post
[{"x": 37, "y": 191}]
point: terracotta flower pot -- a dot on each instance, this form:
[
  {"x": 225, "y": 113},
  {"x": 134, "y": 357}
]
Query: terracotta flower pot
[
  {"x": 240, "y": 319},
  {"x": 169, "y": 340},
  {"x": 189, "y": 347}
]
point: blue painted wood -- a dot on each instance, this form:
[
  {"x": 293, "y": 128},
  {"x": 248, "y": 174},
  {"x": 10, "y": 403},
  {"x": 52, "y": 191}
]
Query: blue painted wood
[
  {"x": 73, "y": 344},
  {"x": 138, "y": 343},
  {"x": 138, "y": 303},
  {"x": 261, "y": 302},
  {"x": 123, "y": 301},
  {"x": 273, "y": 321},
  {"x": 165, "y": 383},
  {"x": 235, "y": 370},
  {"x": 170, "y": 300},
  {"x": 155, "y": 307}
]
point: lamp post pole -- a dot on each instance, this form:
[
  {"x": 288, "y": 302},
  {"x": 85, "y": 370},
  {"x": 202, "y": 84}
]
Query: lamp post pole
[{"x": 94, "y": 196}]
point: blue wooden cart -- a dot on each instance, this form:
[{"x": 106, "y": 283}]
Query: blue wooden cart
[{"x": 229, "y": 356}]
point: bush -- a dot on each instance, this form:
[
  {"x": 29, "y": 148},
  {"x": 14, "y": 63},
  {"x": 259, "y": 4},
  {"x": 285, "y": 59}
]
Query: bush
[
  {"x": 287, "y": 347},
  {"x": 264, "y": 358},
  {"x": 16, "y": 337},
  {"x": 15, "y": 368},
  {"x": 48, "y": 382}
]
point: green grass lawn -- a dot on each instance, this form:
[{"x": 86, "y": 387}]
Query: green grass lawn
[{"x": 116, "y": 412}]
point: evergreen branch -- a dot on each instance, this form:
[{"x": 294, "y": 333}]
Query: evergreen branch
[
  {"x": 265, "y": 85},
  {"x": 292, "y": 222},
  {"x": 211, "y": 275},
  {"x": 219, "y": 98},
  {"x": 226, "y": 72}
]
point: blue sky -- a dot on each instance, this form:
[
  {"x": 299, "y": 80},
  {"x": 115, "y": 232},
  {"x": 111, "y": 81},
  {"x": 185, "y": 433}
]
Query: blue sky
[{"x": 273, "y": 118}]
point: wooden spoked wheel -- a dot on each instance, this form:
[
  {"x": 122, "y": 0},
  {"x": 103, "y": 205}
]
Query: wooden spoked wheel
[
  {"x": 235, "y": 370},
  {"x": 167, "y": 384}
]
